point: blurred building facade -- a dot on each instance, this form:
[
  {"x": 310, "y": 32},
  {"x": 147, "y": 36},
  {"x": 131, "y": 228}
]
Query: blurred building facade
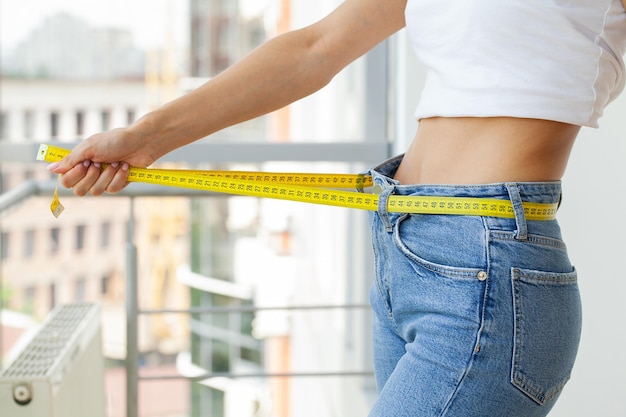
[
  {"x": 64, "y": 47},
  {"x": 64, "y": 83},
  {"x": 240, "y": 252},
  {"x": 81, "y": 255}
]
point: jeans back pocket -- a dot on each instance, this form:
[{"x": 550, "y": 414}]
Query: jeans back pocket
[{"x": 547, "y": 331}]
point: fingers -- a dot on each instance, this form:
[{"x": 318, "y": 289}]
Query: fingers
[
  {"x": 74, "y": 175},
  {"x": 119, "y": 178},
  {"x": 91, "y": 177}
]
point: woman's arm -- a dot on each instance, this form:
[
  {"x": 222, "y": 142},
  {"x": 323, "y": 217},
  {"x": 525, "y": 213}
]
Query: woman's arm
[{"x": 279, "y": 72}]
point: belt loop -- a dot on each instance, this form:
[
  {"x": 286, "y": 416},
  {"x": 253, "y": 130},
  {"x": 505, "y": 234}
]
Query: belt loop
[
  {"x": 383, "y": 199},
  {"x": 518, "y": 209}
]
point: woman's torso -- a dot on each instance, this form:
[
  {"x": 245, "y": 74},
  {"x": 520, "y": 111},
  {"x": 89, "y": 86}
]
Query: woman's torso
[
  {"x": 487, "y": 150},
  {"x": 504, "y": 97}
]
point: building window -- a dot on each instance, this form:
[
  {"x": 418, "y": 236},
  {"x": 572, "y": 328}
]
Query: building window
[
  {"x": 29, "y": 124},
  {"x": 54, "y": 124},
  {"x": 105, "y": 235},
  {"x": 105, "y": 284},
  {"x": 105, "y": 118},
  {"x": 4, "y": 182},
  {"x": 55, "y": 240},
  {"x": 29, "y": 243},
  {"x": 80, "y": 290},
  {"x": 80, "y": 123},
  {"x": 4, "y": 245},
  {"x": 53, "y": 295},
  {"x": 4, "y": 125},
  {"x": 131, "y": 115},
  {"x": 29, "y": 299},
  {"x": 80, "y": 237}
]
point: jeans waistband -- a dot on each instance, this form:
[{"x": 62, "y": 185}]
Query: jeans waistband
[{"x": 517, "y": 192}]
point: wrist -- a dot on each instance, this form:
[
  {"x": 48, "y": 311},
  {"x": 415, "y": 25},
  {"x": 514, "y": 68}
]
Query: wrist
[{"x": 149, "y": 134}]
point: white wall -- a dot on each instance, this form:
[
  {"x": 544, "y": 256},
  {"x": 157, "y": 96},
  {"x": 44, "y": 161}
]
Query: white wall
[{"x": 593, "y": 223}]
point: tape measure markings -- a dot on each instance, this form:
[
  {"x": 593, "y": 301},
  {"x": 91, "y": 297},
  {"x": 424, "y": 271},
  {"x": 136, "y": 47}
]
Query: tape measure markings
[
  {"x": 306, "y": 188},
  {"x": 51, "y": 153}
]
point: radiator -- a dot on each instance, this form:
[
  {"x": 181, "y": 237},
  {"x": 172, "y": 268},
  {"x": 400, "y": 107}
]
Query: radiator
[{"x": 60, "y": 372}]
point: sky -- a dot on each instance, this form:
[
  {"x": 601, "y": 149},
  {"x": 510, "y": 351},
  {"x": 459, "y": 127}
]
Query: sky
[{"x": 145, "y": 18}]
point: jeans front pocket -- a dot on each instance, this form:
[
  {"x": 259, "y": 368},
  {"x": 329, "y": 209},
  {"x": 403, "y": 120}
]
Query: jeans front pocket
[
  {"x": 440, "y": 278},
  {"x": 547, "y": 331},
  {"x": 450, "y": 245}
]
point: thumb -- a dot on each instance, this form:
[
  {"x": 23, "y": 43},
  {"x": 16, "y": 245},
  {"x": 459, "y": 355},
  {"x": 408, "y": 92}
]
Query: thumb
[
  {"x": 81, "y": 154},
  {"x": 67, "y": 163}
]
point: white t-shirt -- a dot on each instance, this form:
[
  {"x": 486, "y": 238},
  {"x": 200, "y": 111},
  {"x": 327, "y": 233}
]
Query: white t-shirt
[{"x": 558, "y": 60}]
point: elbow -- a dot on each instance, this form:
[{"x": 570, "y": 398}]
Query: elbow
[{"x": 321, "y": 61}]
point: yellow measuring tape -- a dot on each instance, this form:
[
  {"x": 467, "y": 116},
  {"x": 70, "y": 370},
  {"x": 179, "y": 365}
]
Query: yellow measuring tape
[{"x": 315, "y": 188}]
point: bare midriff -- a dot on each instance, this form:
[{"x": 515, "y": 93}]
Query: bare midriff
[{"x": 471, "y": 150}]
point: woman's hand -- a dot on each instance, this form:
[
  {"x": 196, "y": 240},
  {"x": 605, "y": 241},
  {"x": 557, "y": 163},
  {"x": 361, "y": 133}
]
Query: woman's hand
[{"x": 84, "y": 168}]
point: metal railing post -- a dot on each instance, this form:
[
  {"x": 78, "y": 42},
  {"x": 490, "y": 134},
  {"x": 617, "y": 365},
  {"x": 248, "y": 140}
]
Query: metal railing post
[{"x": 132, "y": 328}]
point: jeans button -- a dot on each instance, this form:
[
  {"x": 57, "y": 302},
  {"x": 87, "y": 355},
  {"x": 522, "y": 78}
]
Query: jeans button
[{"x": 482, "y": 276}]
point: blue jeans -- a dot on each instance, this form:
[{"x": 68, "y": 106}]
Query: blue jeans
[{"x": 473, "y": 316}]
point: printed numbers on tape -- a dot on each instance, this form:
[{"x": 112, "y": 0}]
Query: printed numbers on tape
[{"x": 327, "y": 189}]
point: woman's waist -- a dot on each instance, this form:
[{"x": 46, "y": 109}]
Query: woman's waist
[
  {"x": 548, "y": 192},
  {"x": 487, "y": 150}
]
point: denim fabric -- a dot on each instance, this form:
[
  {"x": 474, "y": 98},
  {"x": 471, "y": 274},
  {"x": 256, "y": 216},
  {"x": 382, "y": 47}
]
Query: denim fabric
[{"x": 473, "y": 316}]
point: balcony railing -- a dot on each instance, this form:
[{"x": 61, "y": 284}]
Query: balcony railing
[{"x": 345, "y": 152}]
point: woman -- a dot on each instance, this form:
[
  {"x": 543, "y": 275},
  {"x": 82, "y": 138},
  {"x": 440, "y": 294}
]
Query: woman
[{"x": 474, "y": 316}]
